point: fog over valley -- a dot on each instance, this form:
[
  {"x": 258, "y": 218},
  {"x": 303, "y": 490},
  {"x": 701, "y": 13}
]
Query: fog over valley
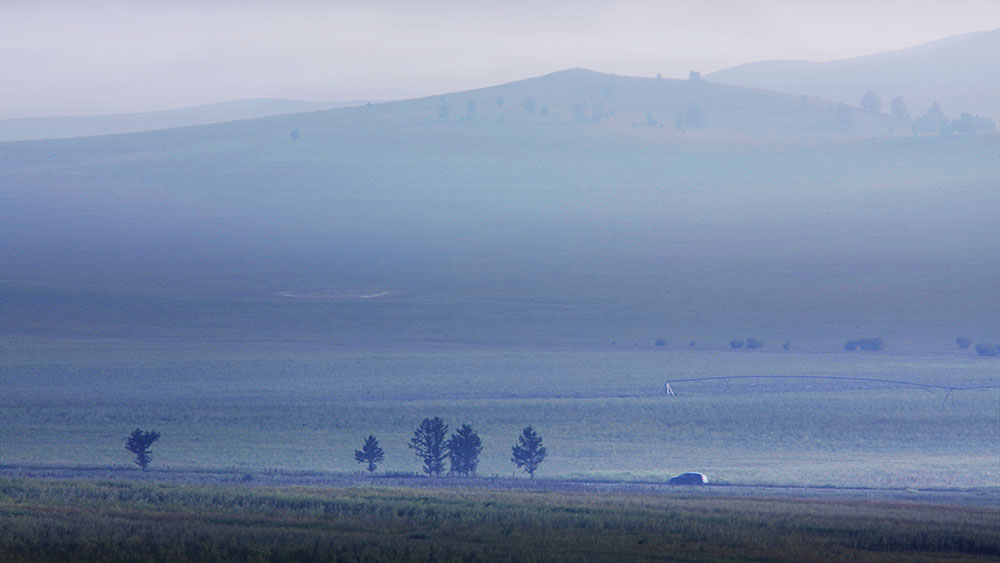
[{"x": 398, "y": 282}]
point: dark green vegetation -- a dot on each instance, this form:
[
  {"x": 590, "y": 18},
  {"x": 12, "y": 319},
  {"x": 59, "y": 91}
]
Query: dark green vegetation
[
  {"x": 138, "y": 443},
  {"x": 430, "y": 445},
  {"x": 370, "y": 454},
  {"x": 528, "y": 453},
  {"x": 464, "y": 448},
  {"x": 115, "y": 521}
]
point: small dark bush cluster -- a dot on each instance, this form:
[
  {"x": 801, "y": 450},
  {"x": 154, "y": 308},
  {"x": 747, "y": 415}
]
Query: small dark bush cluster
[
  {"x": 749, "y": 343},
  {"x": 865, "y": 345},
  {"x": 963, "y": 342},
  {"x": 660, "y": 342},
  {"x": 988, "y": 350}
]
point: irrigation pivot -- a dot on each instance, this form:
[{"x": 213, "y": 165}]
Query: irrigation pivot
[{"x": 948, "y": 389}]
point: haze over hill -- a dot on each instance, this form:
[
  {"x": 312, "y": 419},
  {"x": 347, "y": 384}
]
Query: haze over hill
[
  {"x": 563, "y": 209},
  {"x": 35, "y": 128},
  {"x": 958, "y": 72}
]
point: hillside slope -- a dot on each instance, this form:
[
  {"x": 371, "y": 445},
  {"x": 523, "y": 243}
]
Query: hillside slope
[
  {"x": 958, "y": 72},
  {"x": 505, "y": 225},
  {"x": 35, "y": 128}
]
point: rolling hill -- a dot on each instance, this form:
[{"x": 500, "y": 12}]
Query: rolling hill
[
  {"x": 958, "y": 72},
  {"x": 565, "y": 209},
  {"x": 35, "y": 128}
]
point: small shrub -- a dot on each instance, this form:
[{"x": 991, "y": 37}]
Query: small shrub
[
  {"x": 692, "y": 344},
  {"x": 787, "y": 345},
  {"x": 660, "y": 342},
  {"x": 754, "y": 344},
  {"x": 865, "y": 345},
  {"x": 736, "y": 344},
  {"x": 963, "y": 342},
  {"x": 988, "y": 350}
]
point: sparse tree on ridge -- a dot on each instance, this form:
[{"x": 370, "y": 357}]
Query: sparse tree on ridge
[
  {"x": 694, "y": 116},
  {"x": 529, "y": 452},
  {"x": 464, "y": 448},
  {"x": 899, "y": 110},
  {"x": 871, "y": 102},
  {"x": 429, "y": 443},
  {"x": 932, "y": 121},
  {"x": 138, "y": 443},
  {"x": 370, "y": 454}
]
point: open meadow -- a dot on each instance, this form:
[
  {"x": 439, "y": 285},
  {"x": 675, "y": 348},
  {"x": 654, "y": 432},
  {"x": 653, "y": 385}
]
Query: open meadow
[
  {"x": 601, "y": 412},
  {"x": 118, "y": 521}
]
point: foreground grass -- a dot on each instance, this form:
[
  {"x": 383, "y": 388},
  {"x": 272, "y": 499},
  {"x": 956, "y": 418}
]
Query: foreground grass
[{"x": 118, "y": 521}]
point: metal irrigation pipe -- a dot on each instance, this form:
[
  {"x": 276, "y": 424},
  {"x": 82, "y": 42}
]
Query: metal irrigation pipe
[{"x": 947, "y": 388}]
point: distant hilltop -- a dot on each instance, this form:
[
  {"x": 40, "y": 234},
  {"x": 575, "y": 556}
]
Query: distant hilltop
[{"x": 959, "y": 73}]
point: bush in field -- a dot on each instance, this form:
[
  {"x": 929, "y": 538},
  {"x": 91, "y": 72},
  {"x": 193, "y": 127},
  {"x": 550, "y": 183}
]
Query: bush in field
[
  {"x": 660, "y": 342},
  {"x": 988, "y": 350},
  {"x": 787, "y": 345},
  {"x": 754, "y": 344},
  {"x": 370, "y": 454},
  {"x": 968, "y": 124},
  {"x": 429, "y": 442},
  {"x": 464, "y": 448},
  {"x": 963, "y": 342},
  {"x": 736, "y": 344},
  {"x": 138, "y": 443},
  {"x": 865, "y": 345},
  {"x": 529, "y": 452}
]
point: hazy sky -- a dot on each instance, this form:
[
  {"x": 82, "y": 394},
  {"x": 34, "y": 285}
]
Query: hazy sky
[{"x": 76, "y": 58}]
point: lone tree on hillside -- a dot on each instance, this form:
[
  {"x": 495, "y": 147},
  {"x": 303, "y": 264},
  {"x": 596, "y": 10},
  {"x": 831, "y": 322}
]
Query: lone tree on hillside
[
  {"x": 528, "y": 452},
  {"x": 464, "y": 448},
  {"x": 370, "y": 454},
  {"x": 871, "y": 102},
  {"x": 899, "y": 110},
  {"x": 138, "y": 443},
  {"x": 933, "y": 121},
  {"x": 429, "y": 442}
]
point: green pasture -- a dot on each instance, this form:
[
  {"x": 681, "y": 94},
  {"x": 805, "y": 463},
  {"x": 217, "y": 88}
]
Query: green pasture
[
  {"x": 117, "y": 521},
  {"x": 601, "y": 413}
]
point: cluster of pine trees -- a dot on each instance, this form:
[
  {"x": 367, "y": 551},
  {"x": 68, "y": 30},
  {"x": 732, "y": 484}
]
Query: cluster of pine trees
[
  {"x": 462, "y": 449},
  {"x": 429, "y": 442}
]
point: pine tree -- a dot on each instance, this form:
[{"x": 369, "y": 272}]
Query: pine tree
[
  {"x": 429, "y": 442},
  {"x": 529, "y": 451},
  {"x": 138, "y": 443},
  {"x": 464, "y": 448},
  {"x": 370, "y": 454}
]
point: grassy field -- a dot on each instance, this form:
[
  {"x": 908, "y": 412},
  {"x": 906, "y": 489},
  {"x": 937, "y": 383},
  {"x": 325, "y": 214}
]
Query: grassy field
[
  {"x": 116, "y": 521},
  {"x": 601, "y": 413}
]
